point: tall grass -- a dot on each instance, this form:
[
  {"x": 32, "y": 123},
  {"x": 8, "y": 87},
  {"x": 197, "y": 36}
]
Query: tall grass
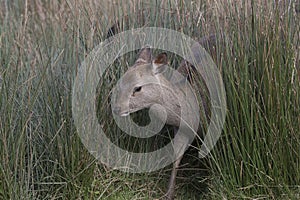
[
  {"x": 258, "y": 156},
  {"x": 41, "y": 46}
]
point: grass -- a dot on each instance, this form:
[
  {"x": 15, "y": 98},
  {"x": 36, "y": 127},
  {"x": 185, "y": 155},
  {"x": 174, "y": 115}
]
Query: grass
[{"x": 41, "y": 47}]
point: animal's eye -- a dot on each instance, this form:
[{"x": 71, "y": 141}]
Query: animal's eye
[{"x": 137, "y": 89}]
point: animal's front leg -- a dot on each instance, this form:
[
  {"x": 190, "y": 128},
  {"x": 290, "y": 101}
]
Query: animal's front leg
[
  {"x": 171, "y": 188},
  {"x": 180, "y": 145}
]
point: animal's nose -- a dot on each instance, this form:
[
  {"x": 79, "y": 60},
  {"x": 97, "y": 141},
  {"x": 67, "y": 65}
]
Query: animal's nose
[{"x": 117, "y": 110}]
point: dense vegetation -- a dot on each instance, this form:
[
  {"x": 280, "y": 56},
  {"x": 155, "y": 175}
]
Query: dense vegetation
[{"x": 42, "y": 44}]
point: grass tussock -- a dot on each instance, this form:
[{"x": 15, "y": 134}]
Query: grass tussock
[{"x": 42, "y": 44}]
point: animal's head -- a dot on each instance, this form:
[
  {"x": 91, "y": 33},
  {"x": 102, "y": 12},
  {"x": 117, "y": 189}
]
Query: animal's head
[{"x": 142, "y": 85}]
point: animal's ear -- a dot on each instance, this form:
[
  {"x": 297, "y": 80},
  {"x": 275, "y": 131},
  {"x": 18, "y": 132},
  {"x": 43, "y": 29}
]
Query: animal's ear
[
  {"x": 160, "y": 63},
  {"x": 145, "y": 56}
]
